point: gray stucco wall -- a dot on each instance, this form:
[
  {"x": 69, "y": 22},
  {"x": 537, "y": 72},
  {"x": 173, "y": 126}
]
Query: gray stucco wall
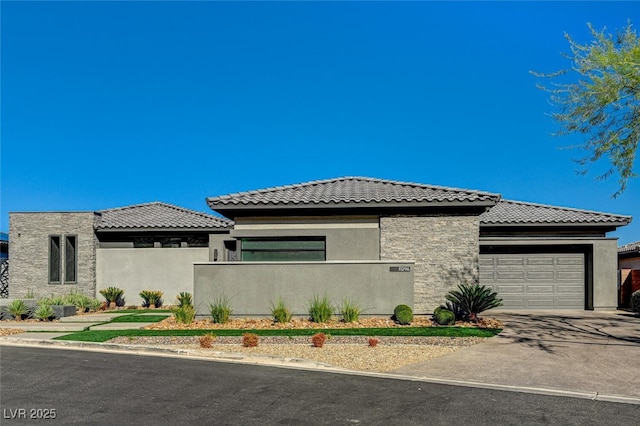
[
  {"x": 169, "y": 270},
  {"x": 29, "y": 238},
  {"x": 347, "y": 237},
  {"x": 605, "y": 274},
  {"x": 253, "y": 286},
  {"x": 445, "y": 250}
]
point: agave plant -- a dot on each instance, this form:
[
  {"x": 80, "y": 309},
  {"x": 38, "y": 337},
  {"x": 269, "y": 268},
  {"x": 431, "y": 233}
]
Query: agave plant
[
  {"x": 18, "y": 308},
  {"x": 474, "y": 299},
  {"x": 44, "y": 312}
]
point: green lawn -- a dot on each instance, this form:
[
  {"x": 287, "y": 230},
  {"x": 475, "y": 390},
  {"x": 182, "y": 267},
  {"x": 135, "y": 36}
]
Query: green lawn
[
  {"x": 138, "y": 311},
  {"x": 140, "y": 318},
  {"x": 105, "y": 335}
]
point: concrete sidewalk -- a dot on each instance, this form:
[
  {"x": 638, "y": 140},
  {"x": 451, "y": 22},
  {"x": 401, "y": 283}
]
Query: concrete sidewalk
[{"x": 578, "y": 351}]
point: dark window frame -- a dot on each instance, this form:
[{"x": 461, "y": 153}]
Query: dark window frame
[
  {"x": 55, "y": 275},
  {"x": 74, "y": 262},
  {"x": 283, "y": 254}
]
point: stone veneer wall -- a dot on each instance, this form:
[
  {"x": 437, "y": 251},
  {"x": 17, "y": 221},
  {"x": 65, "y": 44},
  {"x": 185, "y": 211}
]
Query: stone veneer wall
[
  {"x": 29, "y": 251},
  {"x": 445, "y": 249}
]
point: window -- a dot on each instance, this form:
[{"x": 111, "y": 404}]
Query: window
[
  {"x": 142, "y": 242},
  {"x": 70, "y": 264},
  {"x": 54, "y": 259},
  {"x": 60, "y": 256},
  {"x": 171, "y": 242},
  {"x": 283, "y": 249}
]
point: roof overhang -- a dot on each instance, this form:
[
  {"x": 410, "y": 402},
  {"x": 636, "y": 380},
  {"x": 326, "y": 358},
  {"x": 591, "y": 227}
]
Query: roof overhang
[{"x": 461, "y": 207}]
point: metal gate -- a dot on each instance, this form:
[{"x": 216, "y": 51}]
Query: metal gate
[{"x": 4, "y": 280}]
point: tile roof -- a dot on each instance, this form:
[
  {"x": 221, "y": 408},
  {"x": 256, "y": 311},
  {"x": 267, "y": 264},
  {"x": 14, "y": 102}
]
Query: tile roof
[
  {"x": 629, "y": 248},
  {"x": 157, "y": 216},
  {"x": 508, "y": 212},
  {"x": 351, "y": 192}
]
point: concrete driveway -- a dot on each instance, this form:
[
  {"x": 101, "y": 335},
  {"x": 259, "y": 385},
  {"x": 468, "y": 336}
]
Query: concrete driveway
[{"x": 579, "y": 351}]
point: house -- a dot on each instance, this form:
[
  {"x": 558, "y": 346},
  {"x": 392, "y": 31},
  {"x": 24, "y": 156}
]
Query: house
[
  {"x": 146, "y": 246},
  {"x": 629, "y": 268},
  {"x": 378, "y": 242}
]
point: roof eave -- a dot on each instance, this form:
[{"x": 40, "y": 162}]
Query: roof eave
[
  {"x": 350, "y": 205},
  {"x": 553, "y": 224},
  {"x": 163, "y": 229}
]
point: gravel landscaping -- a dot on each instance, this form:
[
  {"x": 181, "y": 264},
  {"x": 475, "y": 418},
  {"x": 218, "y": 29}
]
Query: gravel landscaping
[{"x": 353, "y": 353}]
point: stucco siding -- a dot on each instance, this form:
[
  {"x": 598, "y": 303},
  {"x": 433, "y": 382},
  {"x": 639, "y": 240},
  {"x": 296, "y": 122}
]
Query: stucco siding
[
  {"x": 605, "y": 274},
  {"x": 29, "y": 238},
  {"x": 252, "y": 287},
  {"x": 169, "y": 270},
  {"x": 444, "y": 248},
  {"x": 347, "y": 238}
]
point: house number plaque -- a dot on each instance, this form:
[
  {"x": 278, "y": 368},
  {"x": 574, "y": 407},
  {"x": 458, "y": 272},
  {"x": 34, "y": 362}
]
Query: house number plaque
[{"x": 400, "y": 269}]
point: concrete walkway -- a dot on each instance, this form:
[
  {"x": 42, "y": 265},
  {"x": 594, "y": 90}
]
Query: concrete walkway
[
  {"x": 577, "y": 351},
  {"x": 587, "y": 354}
]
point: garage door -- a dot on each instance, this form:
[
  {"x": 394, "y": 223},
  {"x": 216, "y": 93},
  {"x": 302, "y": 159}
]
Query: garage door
[{"x": 535, "y": 281}]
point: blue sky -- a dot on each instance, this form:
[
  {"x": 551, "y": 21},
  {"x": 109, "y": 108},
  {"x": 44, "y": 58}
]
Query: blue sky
[{"x": 106, "y": 104}]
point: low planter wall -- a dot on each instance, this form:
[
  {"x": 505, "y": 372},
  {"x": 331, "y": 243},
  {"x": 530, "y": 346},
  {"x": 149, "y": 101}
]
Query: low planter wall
[{"x": 61, "y": 311}]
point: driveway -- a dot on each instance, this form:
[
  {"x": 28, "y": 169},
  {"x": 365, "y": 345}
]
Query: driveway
[{"x": 581, "y": 351}]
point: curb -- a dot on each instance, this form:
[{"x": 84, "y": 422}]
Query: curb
[{"x": 298, "y": 363}]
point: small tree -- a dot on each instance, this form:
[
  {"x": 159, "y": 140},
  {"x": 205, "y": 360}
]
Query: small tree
[{"x": 603, "y": 103}]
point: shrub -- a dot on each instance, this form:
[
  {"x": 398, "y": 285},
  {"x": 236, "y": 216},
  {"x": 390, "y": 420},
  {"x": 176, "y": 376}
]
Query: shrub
[
  {"x": 113, "y": 295},
  {"x": 280, "y": 312},
  {"x": 95, "y": 305},
  {"x": 350, "y": 311},
  {"x": 373, "y": 342},
  {"x": 151, "y": 298},
  {"x": 184, "y": 314},
  {"x": 635, "y": 302},
  {"x": 220, "y": 310},
  {"x": 72, "y": 298},
  {"x": 474, "y": 299},
  {"x": 403, "y": 314},
  {"x": 44, "y": 312},
  {"x": 320, "y": 309},
  {"x": 459, "y": 313},
  {"x": 318, "y": 339},
  {"x": 18, "y": 309},
  {"x": 57, "y": 300},
  {"x": 44, "y": 301},
  {"x": 207, "y": 340},
  {"x": 83, "y": 303},
  {"x": 184, "y": 298},
  {"x": 444, "y": 316},
  {"x": 249, "y": 340}
]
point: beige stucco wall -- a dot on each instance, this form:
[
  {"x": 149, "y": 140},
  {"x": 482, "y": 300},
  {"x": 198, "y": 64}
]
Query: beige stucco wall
[
  {"x": 135, "y": 269},
  {"x": 252, "y": 287},
  {"x": 444, "y": 248},
  {"x": 29, "y": 234}
]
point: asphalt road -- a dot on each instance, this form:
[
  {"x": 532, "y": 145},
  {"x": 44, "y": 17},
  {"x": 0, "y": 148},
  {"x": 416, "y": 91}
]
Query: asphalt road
[{"x": 107, "y": 388}]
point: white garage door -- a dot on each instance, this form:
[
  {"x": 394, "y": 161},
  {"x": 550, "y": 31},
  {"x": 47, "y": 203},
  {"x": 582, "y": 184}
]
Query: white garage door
[{"x": 535, "y": 281}]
